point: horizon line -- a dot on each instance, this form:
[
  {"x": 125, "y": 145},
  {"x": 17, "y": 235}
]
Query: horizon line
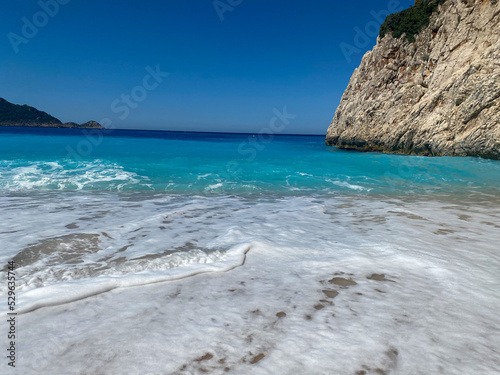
[
  {"x": 161, "y": 130},
  {"x": 209, "y": 132}
]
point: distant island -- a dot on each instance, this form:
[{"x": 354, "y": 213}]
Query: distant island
[{"x": 24, "y": 115}]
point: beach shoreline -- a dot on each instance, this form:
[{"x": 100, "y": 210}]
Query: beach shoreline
[{"x": 365, "y": 294}]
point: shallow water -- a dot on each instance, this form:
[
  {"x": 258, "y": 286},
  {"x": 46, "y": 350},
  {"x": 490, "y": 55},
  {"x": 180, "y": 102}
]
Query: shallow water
[
  {"x": 154, "y": 254},
  {"x": 201, "y": 163}
]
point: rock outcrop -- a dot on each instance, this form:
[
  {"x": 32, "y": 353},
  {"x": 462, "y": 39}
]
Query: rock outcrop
[
  {"x": 24, "y": 115},
  {"x": 91, "y": 125},
  {"x": 438, "y": 95}
]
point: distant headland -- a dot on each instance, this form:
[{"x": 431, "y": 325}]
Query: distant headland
[{"x": 24, "y": 115}]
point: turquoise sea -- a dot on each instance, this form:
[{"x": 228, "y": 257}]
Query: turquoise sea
[
  {"x": 190, "y": 253},
  {"x": 39, "y": 159}
]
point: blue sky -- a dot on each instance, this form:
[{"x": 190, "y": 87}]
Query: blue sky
[{"x": 229, "y": 62}]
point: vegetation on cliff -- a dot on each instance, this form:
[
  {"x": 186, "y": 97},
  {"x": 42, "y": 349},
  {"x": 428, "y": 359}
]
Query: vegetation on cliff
[{"x": 410, "y": 21}]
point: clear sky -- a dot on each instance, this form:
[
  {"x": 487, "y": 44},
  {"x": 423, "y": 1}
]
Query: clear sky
[{"x": 229, "y": 62}]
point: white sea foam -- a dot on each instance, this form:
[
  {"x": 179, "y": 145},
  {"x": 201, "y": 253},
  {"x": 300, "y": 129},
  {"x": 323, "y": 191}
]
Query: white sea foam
[
  {"x": 214, "y": 186},
  {"x": 74, "y": 176},
  {"x": 76, "y": 288},
  {"x": 202, "y": 176},
  {"x": 425, "y": 298},
  {"x": 346, "y": 184}
]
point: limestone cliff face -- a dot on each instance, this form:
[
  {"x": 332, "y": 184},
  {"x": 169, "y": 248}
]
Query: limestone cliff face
[{"x": 439, "y": 95}]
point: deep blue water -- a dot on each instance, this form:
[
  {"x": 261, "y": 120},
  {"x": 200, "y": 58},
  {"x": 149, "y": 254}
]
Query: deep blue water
[{"x": 218, "y": 163}]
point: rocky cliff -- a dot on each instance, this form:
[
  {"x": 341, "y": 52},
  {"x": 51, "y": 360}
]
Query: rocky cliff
[
  {"x": 437, "y": 95},
  {"x": 24, "y": 115}
]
